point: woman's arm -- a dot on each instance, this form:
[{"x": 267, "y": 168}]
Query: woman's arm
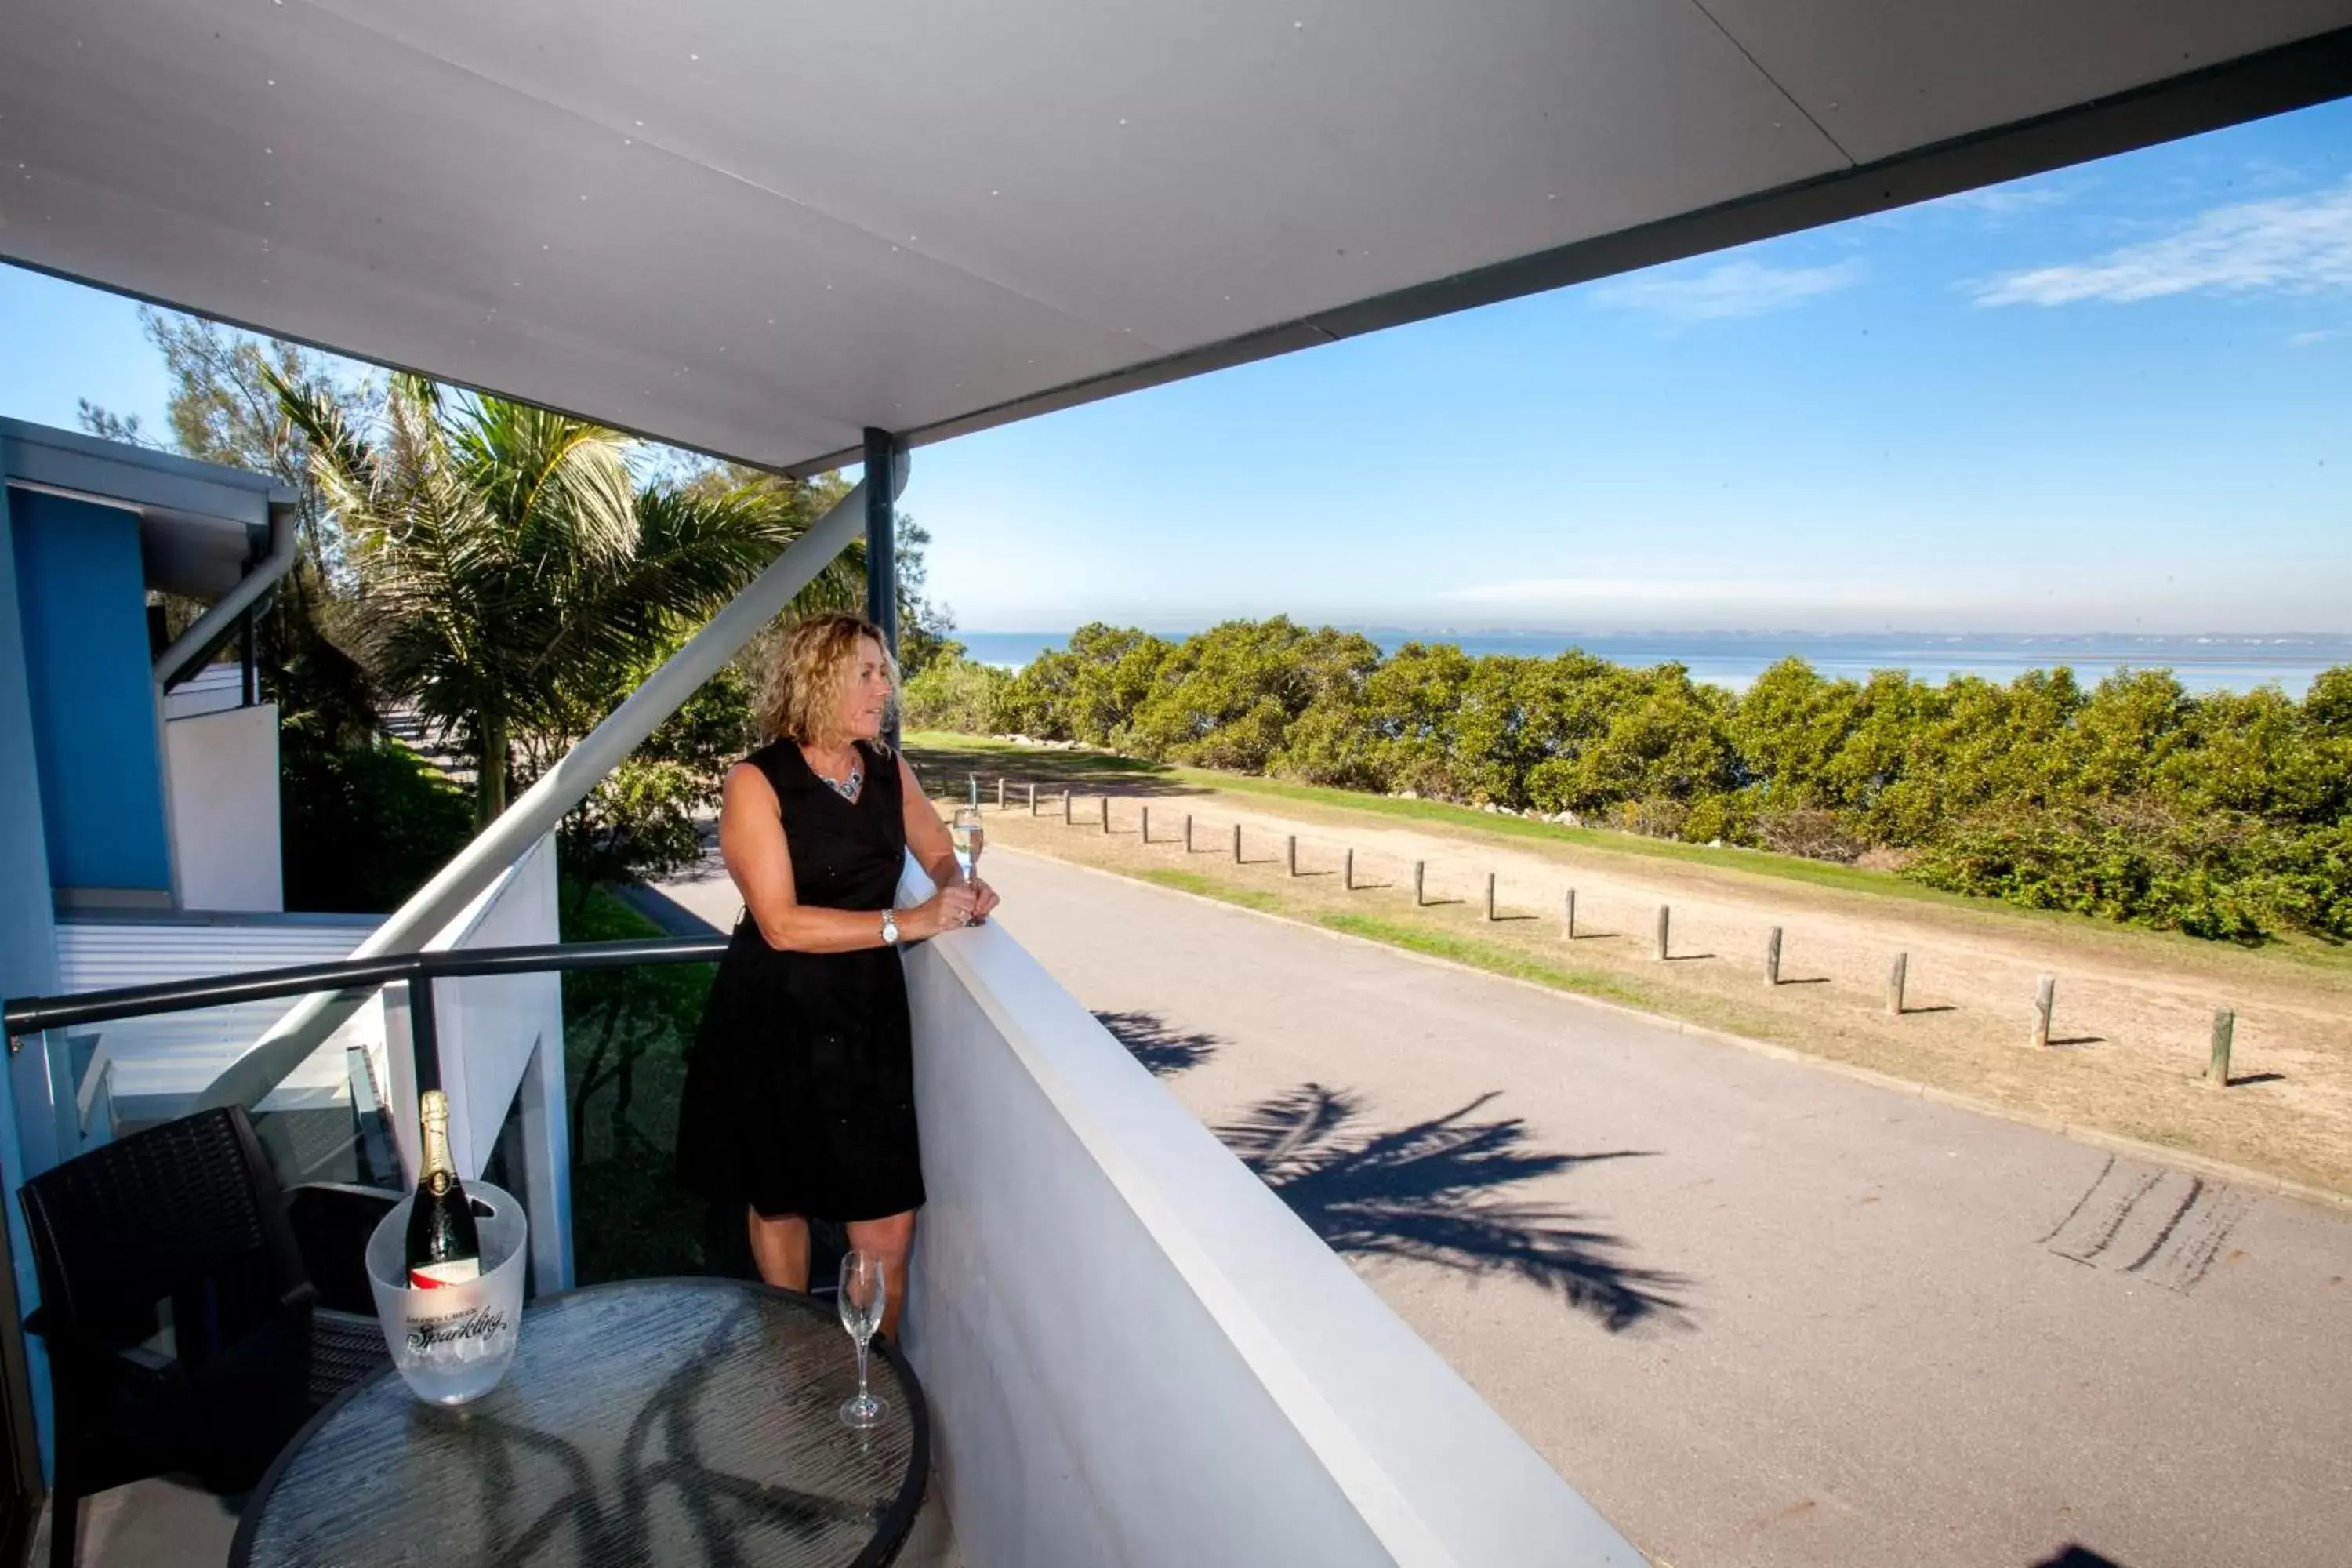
[
  {"x": 751, "y": 840},
  {"x": 929, "y": 841}
]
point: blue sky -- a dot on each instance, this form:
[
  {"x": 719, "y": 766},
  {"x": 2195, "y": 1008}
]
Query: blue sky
[{"x": 2116, "y": 398}]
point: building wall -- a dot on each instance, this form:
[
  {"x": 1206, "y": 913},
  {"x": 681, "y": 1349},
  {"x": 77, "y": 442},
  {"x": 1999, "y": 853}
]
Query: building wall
[
  {"x": 80, "y": 601},
  {"x": 224, "y": 793}
]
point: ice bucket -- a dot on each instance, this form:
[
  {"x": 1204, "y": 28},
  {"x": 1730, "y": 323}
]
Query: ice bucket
[{"x": 452, "y": 1344}]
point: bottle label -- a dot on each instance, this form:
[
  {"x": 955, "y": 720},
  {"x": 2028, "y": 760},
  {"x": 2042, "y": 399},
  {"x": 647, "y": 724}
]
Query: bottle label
[
  {"x": 457, "y": 1271},
  {"x": 455, "y": 1331}
]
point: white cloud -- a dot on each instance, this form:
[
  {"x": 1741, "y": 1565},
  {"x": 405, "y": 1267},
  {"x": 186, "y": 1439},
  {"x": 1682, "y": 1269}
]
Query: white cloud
[
  {"x": 2297, "y": 245},
  {"x": 1731, "y": 289},
  {"x": 2304, "y": 340},
  {"x": 2005, "y": 201}
]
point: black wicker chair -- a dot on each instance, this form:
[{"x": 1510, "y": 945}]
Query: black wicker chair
[{"x": 187, "y": 1217}]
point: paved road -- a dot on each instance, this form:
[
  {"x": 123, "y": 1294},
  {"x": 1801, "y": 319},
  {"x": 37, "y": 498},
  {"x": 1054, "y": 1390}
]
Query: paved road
[{"x": 1761, "y": 1314}]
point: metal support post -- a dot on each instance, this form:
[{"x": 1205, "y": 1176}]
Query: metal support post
[
  {"x": 882, "y": 456},
  {"x": 249, "y": 657},
  {"x": 423, "y": 1034}
]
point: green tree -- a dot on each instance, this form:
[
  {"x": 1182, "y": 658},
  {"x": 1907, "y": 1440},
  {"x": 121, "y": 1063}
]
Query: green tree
[
  {"x": 1227, "y": 698},
  {"x": 509, "y": 574}
]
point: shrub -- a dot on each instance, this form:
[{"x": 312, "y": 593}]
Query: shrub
[
  {"x": 958, "y": 696},
  {"x": 2223, "y": 815},
  {"x": 1806, "y": 830},
  {"x": 362, "y": 827}
]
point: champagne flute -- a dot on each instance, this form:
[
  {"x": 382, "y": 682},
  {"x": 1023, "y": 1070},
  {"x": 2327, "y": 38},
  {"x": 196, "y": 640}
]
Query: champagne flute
[
  {"x": 861, "y": 1296},
  {"x": 970, "y": 837}
]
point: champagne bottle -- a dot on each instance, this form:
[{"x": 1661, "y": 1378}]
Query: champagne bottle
[{"x": 444, "y": 1248}]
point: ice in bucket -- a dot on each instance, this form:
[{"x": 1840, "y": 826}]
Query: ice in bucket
[{"x": 452, "y": 1344}]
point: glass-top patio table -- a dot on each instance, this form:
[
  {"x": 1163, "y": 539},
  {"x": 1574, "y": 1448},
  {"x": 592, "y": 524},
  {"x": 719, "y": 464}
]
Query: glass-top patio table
[{"x": 669, "y": 1421}]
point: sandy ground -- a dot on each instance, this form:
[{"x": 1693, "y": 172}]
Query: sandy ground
[{"x": 2132, "y": 1025}]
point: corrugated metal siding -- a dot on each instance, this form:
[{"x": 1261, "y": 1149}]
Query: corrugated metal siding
[{"x": 165, "y": 1059}]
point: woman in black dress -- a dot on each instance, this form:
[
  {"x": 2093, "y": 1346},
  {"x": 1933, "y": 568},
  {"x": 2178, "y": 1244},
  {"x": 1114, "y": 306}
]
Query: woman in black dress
[{"x": 799, "y": 1096}]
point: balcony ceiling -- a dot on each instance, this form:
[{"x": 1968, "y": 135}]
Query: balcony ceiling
[{"x": 755, "y": 228}]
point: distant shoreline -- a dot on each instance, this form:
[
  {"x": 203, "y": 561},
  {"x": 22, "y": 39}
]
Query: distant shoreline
[{"x": 2202, "y": 662}]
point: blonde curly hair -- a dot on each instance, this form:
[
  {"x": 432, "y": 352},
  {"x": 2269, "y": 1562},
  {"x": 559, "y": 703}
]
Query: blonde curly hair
[{"x": 805, "y": 675}]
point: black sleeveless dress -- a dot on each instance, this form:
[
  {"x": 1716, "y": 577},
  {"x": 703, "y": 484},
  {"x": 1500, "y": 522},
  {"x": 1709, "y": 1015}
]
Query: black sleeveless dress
[{"x": 799, "y": 1093}]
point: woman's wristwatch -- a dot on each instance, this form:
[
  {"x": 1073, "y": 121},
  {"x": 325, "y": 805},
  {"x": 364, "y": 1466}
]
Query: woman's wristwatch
[{"x": 889, "y": 928}]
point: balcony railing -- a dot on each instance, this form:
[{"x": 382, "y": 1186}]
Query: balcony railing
[{"x": 1134, "y": 1352}]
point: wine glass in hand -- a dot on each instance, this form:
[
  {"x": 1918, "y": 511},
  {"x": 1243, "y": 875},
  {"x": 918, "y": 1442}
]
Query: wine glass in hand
[
  {"x": 970, "y": 837},
  {"x": 862, "y": 1295}
]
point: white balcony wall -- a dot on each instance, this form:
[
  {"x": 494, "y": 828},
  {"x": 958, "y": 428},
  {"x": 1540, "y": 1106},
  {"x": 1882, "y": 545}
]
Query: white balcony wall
[
  {"x": 501, "y": 1037},
  {"x": 1135, "y": 1354},
  {"x": 222, "y": 773}
]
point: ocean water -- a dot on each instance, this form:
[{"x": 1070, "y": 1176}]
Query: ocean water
[{"x": 1734, "y": 659}]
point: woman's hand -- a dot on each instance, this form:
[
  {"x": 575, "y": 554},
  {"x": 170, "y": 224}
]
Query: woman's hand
[
  {"x": 946, "y": 909},
  {"x": 983, "y": 899}
]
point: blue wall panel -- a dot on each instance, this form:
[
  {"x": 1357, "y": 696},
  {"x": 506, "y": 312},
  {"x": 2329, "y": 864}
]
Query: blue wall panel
[
  {"x": 81, "y": 603},
  {"x": 28, "y": 958}
]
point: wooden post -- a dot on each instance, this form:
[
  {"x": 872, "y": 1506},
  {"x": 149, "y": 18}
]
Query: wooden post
[
  {"x": 1490, "y": 895},
  {"x": 1147, "y": 822},
  {"x": 1347, "y": 872},
  {"x": 1417, "y": 899},
  {"x": 1894, "y": 979},
  {"x": 1000, "y": 792},
  {"x": 2045, "y": 1001},
  {"x": 1033, "y": 797},
  {"x": 973, "y": 780},
  {"x": 1188, "y": 833},
  {"x": 1237, "y": 843},
  {"x": 1666, "y": 927},
  {"x": 1106, "y": 816},
  {"x": 1066, "y": 817},
  {"x": 1772, "y": 958},
  {"x": 1568, "y": 914},
  {"x": 1290, "y": 853},
  {"x": 2225, "y": 1029}
]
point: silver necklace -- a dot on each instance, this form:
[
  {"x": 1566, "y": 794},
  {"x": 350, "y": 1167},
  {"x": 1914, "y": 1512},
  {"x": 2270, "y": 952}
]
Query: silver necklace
[{"x": 845, "y": 788}]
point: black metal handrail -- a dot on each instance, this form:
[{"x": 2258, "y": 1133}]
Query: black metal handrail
[{"x": 32, "y": 1014}]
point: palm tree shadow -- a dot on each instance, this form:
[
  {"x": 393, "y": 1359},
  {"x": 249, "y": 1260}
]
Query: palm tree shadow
[
  {"x": 1149, "y": 1039},
  {"x": 1430, "y": 1192}
]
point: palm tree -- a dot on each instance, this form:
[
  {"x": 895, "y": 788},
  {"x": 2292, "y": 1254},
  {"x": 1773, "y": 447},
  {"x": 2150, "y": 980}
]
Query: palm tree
[{"x": 508, "y": 568}]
